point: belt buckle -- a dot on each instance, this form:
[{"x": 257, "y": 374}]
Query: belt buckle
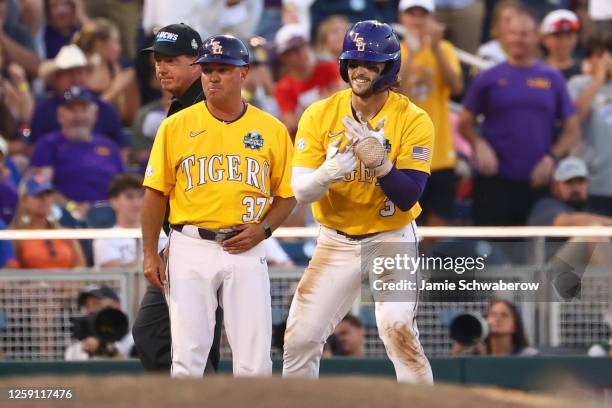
[{"x": 224, "y": 234}]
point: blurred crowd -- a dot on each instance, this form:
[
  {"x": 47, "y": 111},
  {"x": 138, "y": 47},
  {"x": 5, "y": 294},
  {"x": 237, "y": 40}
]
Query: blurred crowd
[{"x": 520, "y": 94}]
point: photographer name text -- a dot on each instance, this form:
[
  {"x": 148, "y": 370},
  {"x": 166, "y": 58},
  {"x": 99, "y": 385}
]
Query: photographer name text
[{"x": 461, "y": 285}]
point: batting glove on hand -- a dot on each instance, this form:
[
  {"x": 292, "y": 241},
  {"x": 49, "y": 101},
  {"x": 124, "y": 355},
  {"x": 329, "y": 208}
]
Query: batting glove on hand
[
  {"x": 369, "y": 145},
  {"x": 336, "y": 163}
]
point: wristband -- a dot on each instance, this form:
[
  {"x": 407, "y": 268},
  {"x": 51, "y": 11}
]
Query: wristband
[{"x": 267, "y": 229}]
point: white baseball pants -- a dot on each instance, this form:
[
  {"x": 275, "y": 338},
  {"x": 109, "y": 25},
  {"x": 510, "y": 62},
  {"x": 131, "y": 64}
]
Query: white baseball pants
[
  {"x": 199, "y": 275},
  {"x": 325, "y": 294}
]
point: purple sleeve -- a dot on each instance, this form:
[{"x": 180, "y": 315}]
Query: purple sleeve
[
  {"x": 474, "y": 96},
  {"x": 44, "y": 151},
  {"x": 403, "y": 187},
  {"x": 565, "y": 105},
  {"x": 109, "y": 124},
  {"x": 42, "y": 121}
]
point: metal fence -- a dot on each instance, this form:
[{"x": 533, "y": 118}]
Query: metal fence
[{"x": 36, "y": 306}]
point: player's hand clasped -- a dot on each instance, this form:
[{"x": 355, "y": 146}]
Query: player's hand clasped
[
  {"x": 337, "y": 163},
  {"x": 369, "y": 147},
  {"x": 249, "y": 236}
]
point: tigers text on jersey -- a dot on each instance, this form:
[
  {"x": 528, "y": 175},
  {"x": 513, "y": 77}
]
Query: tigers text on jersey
[
  {"x": 220, "y": 174},
  {"x": 357, "y": 205}
]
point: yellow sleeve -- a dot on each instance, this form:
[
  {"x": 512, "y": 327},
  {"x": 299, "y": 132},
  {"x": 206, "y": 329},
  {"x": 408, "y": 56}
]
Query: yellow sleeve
[
  {"x": 309, "y": 150},
  {"x": 417, "y": 143},
  {"x": 160, "y": 173},
  {"x": 451, "y": 56},
  {"x": 280, "y": 177}
]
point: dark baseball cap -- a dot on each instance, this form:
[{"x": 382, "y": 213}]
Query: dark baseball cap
[
  {"x": 77, "y": 94},
  {"x": 175, "y": 40},
  {"x": 101, "y": 292}
]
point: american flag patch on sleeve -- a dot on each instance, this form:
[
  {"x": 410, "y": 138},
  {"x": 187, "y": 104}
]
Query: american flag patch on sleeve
[{"x": 421, "y": 153}]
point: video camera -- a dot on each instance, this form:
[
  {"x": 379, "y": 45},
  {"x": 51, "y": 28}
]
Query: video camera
[
  {"x": 468, "y": 329},
  {"x": 108, "y": 326}
]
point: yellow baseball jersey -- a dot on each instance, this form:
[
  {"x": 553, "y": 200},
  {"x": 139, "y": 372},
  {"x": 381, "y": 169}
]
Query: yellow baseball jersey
[
  {"x": 219, "y": 174},
  {"x": 357, "y": 205},
  {"x": 428, "y": 91}
]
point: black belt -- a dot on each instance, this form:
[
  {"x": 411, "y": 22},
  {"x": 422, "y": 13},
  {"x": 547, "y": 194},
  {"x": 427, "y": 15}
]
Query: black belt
[
  {"x": 208, "y": 234},
  {"x": 357, "y": 237}
]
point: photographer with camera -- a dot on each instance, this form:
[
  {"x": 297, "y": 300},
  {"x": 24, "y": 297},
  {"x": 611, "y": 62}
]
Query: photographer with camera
[
  {"x": 501, "y": 334},
  {"x": 102, "y": 331}
]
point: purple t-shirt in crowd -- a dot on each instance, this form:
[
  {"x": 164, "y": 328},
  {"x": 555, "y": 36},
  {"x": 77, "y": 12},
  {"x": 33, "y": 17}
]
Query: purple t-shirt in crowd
[
  {"x": 8, "y": 200},
  {"x": 55, "y": 40},
  {"x": 45, "y": 121},
  {"x": 520, "y": 106},
  {"x": 82, "y": 171}
]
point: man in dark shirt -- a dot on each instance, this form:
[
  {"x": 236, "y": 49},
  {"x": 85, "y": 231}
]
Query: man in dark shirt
[{"x": 175, "y": 48}]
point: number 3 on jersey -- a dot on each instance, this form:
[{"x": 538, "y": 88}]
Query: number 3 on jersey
[
  {"x": 254, "y": 208},
  {"x": 389, "y": 208}
]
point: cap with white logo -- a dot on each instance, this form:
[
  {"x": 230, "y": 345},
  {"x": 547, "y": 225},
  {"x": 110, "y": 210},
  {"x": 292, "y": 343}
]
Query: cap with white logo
[
  {"x": 175, "y": 40},
  {"x": 560, "y": 20}
]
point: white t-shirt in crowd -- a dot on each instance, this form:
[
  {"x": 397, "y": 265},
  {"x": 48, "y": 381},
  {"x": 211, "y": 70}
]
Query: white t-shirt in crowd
[{"x": 127, "y": 250}]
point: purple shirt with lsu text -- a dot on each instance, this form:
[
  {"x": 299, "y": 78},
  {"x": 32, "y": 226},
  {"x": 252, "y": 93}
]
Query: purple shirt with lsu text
[
  {"x": 82, "y": 171},
  {"x": 520, "y": 106}
]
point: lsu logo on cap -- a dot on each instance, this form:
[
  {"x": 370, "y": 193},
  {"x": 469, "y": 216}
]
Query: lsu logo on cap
[
  {"x": 216, "y": 47},
  {"x": 165, "y": 36},
  {"x": 359, "y": 43}
]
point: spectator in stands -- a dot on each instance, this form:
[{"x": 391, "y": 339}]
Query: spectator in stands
[
  {"x": 99, "y": 40},
  {"x": 17, "y": 43},
  {"x": 304, "y": 81},
  {"x": 80, "y": 161},
  {"x": 8, "y": 190},
  {"x": 8, "y": 258},
  {"x": 125, "y": 198},
  {"x": 600, "y": 12},
  {"x": 592, "y": 94},
  {"x": 145, "y": 125},
  {"x": 515, "y": 150},
  {"x": 568, "y": 205},
  {"x": 506, "y": 333},
  {"x": 35, "y": 211},
  {"x": 15, "y": 93},
  {"x": 91, "y": 301},
  {"x": 259, "y": 87},
  {"x": 70, "y": 68},
  {"x": 330, "y": 35},
  {"x": 463, "y": 21},
  {"x": 430, "y": 74},
  {"x": 559, "y": 31},
  {"x": 503, "y": 12},
  {"x": 125, "y": 15},
  {"x": 62, "y": 21},
  {"x": 351, "y": 337}
]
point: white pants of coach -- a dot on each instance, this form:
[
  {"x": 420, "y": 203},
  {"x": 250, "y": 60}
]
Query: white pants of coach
[
  {"x": 325, "y": 294},
  {"x": 200, "y": 274}
]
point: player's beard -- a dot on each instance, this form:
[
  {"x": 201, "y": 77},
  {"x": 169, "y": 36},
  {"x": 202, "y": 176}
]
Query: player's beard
[{"x": 363, "y": 93}]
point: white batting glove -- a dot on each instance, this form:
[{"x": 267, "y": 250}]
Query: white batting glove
[
  {"x": 369, "y": 145},
  {"x": 357, "y": 130},
  {"x": 336, "y": 163}
]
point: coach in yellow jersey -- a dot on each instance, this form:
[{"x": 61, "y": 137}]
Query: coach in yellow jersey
[
  {"x": 362, "y": 157},
  {"x": 225, "y": 166}
]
